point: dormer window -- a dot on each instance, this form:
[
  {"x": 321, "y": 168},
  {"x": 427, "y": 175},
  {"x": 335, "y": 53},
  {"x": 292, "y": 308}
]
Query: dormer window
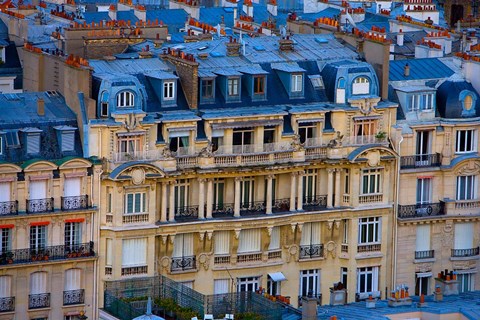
[
  {"x": 32, "y": 139},
  {"x": 421, "y": 101},
  {"x": 361, "y": 85},
  {"x": 468, "y": 102},
  {"x": 125, "y": 99},
  {"x": 297, "y": 83},
  {"x": 233, "y": 87},
  {"x": 66, "y": 137},
  {"x": 169, "y": 90},
  {"x": 258, "y": 85},
  {"x": 340, "y": 92},
  {"x": 104, "y": 104},
  {"x": 207, "y": 89}
]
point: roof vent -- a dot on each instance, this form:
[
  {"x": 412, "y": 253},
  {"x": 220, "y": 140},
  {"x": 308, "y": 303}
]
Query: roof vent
[
  {"x": 406, "y": 70},
  {"x": 40, "y": 107}
]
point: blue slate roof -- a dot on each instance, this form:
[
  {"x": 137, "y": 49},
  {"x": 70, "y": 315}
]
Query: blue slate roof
[
  {"x": 420, "y": 69},
  {"x": 450, "y": 100},
  {"x": 173, "y": 18}
]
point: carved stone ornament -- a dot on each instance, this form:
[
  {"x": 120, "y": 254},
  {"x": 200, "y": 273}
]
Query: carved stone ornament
[
  {"x": 138, "y": 176},
  {"x": 269, "y": 230},
  {"x": 204, "y": 260},
  {"x": 164, "y": 239},
  {"x": 131, "y": 122},
  {"x": 464, "y": 265},
  {"x": 237, "y": 233},
  {"x": 373, "y": 158},
  {"x": 292, "y": 252},
  {"x": 330, "y": 224},
  {"x": 337, "y": 141},
  {"x": 202, "y": 235},
  {"x": 471, "y": 168},
  {"x": 331, "y": 248},
  {"x": 424, "y": 267},
  {"x": 165, "y": 263},
  {"x": 296, "y": 144},
  {"x": 209, "y": 235},
  {"x": 207, "y": 151},
  {"x": 337, "y": 224}
]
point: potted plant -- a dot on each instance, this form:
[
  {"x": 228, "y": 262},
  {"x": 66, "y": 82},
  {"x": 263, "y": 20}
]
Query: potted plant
[{"x": 381, "y": 135}]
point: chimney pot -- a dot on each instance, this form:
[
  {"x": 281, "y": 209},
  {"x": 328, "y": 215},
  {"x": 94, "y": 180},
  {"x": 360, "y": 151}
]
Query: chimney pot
[
  {"x": 406, "y": 70},
  {"x": 40, "y": 107}
]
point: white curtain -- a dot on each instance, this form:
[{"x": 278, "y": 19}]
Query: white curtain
[
  {"x": 310, "y": 233},
  {"x": 38, "y": 189},
  {"x": 134, "y": 252},
  {"x": 422, "y": 242},
  {"x": 183, "y": 245},
  {"x": 5, "y": 191},
  {"x": 109, "y": 253},
  {"x": 274, "y": 239},
  {"x": 222, "y": 242},
  {"x": 375, "y": 279},
  {"x": 73, "y": 278},
  {"x": 250, "y": 240},
  {"x": 463, "y": 236},
  {"x": 220, "y": 286},
  {"x": 72, "y": 187},
  {"x": 38, "y": 282},
  {"x": 5, "y": 286}
]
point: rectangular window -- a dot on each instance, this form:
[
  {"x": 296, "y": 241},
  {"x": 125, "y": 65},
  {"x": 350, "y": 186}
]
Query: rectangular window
[
  {"x": 273, "y": 287},
  {"x": 268, "y": 134},
  {"x": 344, "y": 276},
  {"x": 463, "y": 236},
  {"x": 248, "y": 284},
  {"x": 135, "y": 202},
  {"x": 259, "y": 85},
  {"x": 233, "y": 86},
  {"x": 369, "y": 230},
  {"x": 168, "y": 90},
  {"x": 427, "y": 101},
  {"x": 207, "y": 88},
  {"x": 1, "y": 145},
  {"x": 367, "y": 280},
  {"x": 38, "y": 237},
  {"x": 307, "y": 131},
  {"x": 310, "y": 185},
  {"x": 249, "y": 240},
  {"x": 33, "y": 143},
  {"x": 310, "y": 283},
  {"x": 422, "y": 240},
  {"x": 130, "y": 143},
  {"x": 109, "y": 252},
  {"x": 243, "y": 138},
  {"x": 38, "y": 189},
  {"x": 104, "y": 109},
  {"x": 465, "y": 141},
  {"x": 466, "y": 282},
  {"x": 181, "y": 194},
  {"x": 414, "y": 102},
  {"x": 422, "y": 283},
  {"x": 424, "y": 190},
  {"x": 274, "y": 239},
  {"x": 371, "y": 181},
  {"x": 222, "y": 242},
  {"x": 346, "y": 186},
  {"x": 297, "y": 83},
  {"x": 345, "y": 231},
  {"x": 466, "y": 187},
  {"x": 247, "y": 192},
  {"x": 72, "y": 187},
  {"x": 109, "y": 200},
  {"x": 221, "y": 286},
  {"x": 5, "y": 192},
  {"x": 423, "y": 142},
  {"x": 179, "y": 143},
  {"x": 311, "y": 234},
  {"x": 68, "y": 140},
  {"x": 134, "y": 252},
  {"x": 218, "y": 193},
  {"x": 183, "y": 245},
  {"x": 364, "y": 129},
  {"x": 73, "y": 234},
  {"x": 6, "y": 244}
]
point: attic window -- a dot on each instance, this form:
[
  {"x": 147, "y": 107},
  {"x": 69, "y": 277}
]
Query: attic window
[
  {"x": 361, "y": 85},
  {"x": 66, "y": 137},
  {"x": 168, "y": 90},
  {"x": 33, "y": 142},
  {"x": 52, "y": 93},
  {"x": 1, "y": 144},
  {"x": 125, "y": 99},
  {"x": 317, "y": 81},
  {"x": 468, "y": 102},
  {"x": 297, "y": 82},
  {"x": 12, "y": 140},
  {"x": 104, "y": 104}
]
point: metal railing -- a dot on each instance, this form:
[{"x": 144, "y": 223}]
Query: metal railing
[
  {"x": 369, "y": 247},
  {"x": 221, "y": 259},
  {"x": 314, "y": 203},
  {"x": 362, "y": 140},
  {"x": 149, "y": 155},
  {"x": 134, "y": 271},
  {"x": 311, "y": 251},
  {"x": 252, "y": 208},
  {"x": 344, "y": 247},
  {"x": 72, "y": 297},
  {"x": 426, "y": 254},
  {"x": 421, "y": 210},
  {"x": 457, "y": 253},
  {"x": 8, "y": 207},
  {"x": 183, "y": 263},
  {"x": 40, "y": 205},
  {"x": 277, "y": 254},
  {"x": 186, "y": 213},
  {"x": 281, "y": 205},
  {"x": 420, "y": 161},
  {"x": 249, "y": 257},
  {"x": 75, "y": 202},
  {"x": 38, "y": 301},
  {"x": 222, "y": 210},
  {"x": 41, "y": 255},
  {"x": 7, "y": 304}
]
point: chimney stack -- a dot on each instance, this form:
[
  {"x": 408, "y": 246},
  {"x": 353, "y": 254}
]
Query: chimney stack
[
  {"x": 233, "y": 47},
  {"x": 406, "y": 70},
  {"x": 286, "y": 44},
  {"x": 40, "y": 107},
  {"x": 400, "y": 38}
]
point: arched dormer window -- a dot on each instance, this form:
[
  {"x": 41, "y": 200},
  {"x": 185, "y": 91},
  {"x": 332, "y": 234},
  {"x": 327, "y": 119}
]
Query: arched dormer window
[
  {"x": 468, "y": 102},
  {"x": 125, "y": 99},
  {"x": 340, "y": 92},
  {"x": 341, "y": 83},
  {"x": 361, "y": 85}
]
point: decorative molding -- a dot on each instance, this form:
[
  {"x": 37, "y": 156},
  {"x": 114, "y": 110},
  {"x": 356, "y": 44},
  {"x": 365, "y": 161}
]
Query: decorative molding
[{"x": 331, "y": 248}]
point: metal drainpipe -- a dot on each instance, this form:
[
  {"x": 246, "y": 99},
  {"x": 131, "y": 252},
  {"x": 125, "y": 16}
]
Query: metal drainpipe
[
  {"x": 395, "y": 212},
  {"x": 96, "y": 274}
]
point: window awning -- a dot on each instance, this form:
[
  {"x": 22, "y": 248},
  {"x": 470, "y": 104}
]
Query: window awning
[
  {"x": 423, "y": 274},
  {"x": 277, "y": 276}
]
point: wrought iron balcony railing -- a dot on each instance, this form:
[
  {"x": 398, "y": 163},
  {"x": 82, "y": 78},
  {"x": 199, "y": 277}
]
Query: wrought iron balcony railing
[
  {"x": 311, "y": 251},
  {"x": 183, "y": 263},
  {"x": 38, "y": 301},
  {"x": 252, "y": 208},
  {"x": 427, "y": 254},
  {"x": 40, "y": 205},
  {"x": 420, "y": 161},
  {"x": 421, "y": 210},
  {"x": 186, "y": 213},
  {"x": 75, "y": 202},
  {"x": 222, "y": 210},
  {"x": 281, "y": 205},
  {"x": 314, "y": 203},
  {"x": 72, "y": 297},
  {"x": 7, "y": 304},
  {"x": 8, "y": 207},
  {"x": 458, "y": 253},
  {"x": 41, "y": 255},
  {"x": 369, "y": 247}
]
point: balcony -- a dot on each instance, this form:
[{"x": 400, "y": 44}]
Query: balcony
[
  {"x": 467, "y": 204},
  {"x": 276, "y": 254},
  {"x": 281, "y": 205},
  {"x": 426, "y": 254},
  {"x": 149, "y": 155},
  {"x": 463, "y": 253},
  {"x": 363, "y": 140},
  {"x": 38, "y": 301},
  {"x": 132, "y": 271},
  {"x": 222, "y": 210},
  {"x": 221, "y": 259},
  {"x": 315, "y": 203},
  {"x": 8, "y": 208},
  {"x": 370, "y": 198},
  {"x": 249, "y": 257},
  {"x": 7, "y": 304},
  {"x": 252, "y": 208},
  {"x": 369, "y": 248},
  {"x": 134, "y": 218},
  {"x": 183, "y": 263},
  {"x": 253, "y": 154},
  {"x": 420, "y": 161},
  {"x": 186, "y": 213},
  {"x": 40, "y": 205},
  {"x": 73, "y": 297},
  {"x": 22, "y": 256},
  {"x": 311, "y": 251},
  {"x": 75, "y": 203},
  {"x": 421, "y": 210}
]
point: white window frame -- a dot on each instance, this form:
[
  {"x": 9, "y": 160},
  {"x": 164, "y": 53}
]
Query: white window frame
[
  {"x": 169, "y": 90},
  {"x": 419, "y": 278},
  {"x": 428, "y": 102},
  {"x": 72, "y": 234},
  {"x": 310, "y": 184},
  {"x": 306, "y": 131},
  {"x": 253, "y": 282},
  {"x": 218, "y": 193},
  {"x": 125, "y": 99},
  {"x": 424, "y": 190},
  {"x": 345, "y": 223},
  {"x": 297, "y": 83},
  {"x": 38, "y": 237},
  {"x": 233, "y": 85},
  {"x": 373, "y": 179},
  {"x": 372, "y": 227},
  {"x": 361, "y": 85},
  {"x": 469, "y": 189},
  {"x": 133, "y": 197},
  {"x": 66, "y": 135},
  {"x": 312, "y": 279},
  {"x": 130, "y": 143},
  {"x": 470, "y": 141},
  {"x": 5, "y": 240},
  {"x": 362, "y": 276},
  {"x": 466, "y": 281},
  {"x": 1, "y": 144}
]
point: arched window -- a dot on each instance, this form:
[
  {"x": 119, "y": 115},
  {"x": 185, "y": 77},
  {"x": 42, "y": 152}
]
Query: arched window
[
  {"x": 468, "y": 102},
  {"x": 125, "y": 99},
  {"x": 104, "y": 104},
  {"x": 341, "y": 83},
  {"x": 361, "y": 85}
]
